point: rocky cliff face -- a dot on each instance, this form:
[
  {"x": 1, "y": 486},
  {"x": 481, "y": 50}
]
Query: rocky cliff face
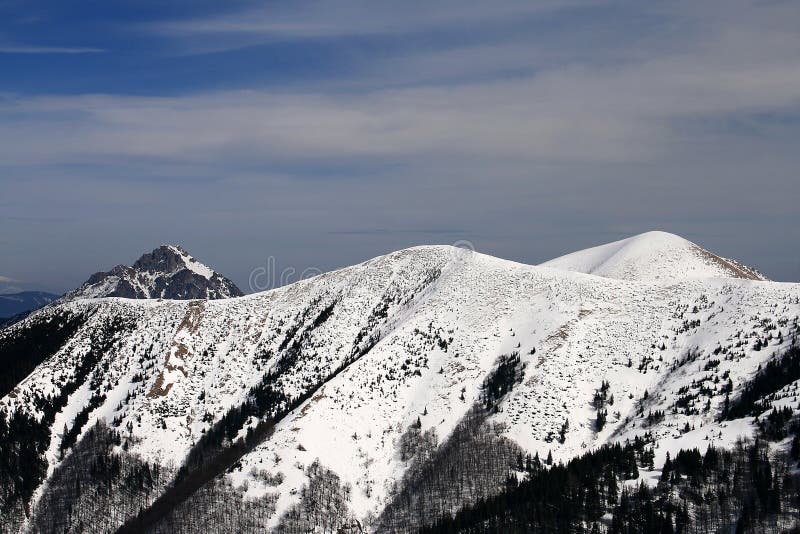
[{"x": 167, "y": 272}]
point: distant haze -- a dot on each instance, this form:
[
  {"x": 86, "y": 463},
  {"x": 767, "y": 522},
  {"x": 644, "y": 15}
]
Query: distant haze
[{"x": 322, "y": 134}]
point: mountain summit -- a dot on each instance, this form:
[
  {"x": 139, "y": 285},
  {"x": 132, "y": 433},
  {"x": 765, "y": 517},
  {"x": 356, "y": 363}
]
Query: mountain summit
[
  {"x": 167, "y": 272},
  {"x": 654, "y": 257},
  {"x": 384, "y": 395}
]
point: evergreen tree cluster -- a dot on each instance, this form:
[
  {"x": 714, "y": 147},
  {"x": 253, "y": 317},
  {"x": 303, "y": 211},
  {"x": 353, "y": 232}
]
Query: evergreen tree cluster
[
  {"x": 776, "y": 374},
  {"x": 556, "y": 499},
  {"x": 218, "y": 507},
  {"x": 323, "y": 506},
  {"x": 601, "y": 398},
  {"x": 506, "y": 374},
  {"x": 472, "y": 463},
  {"x": 24, "y": 438},
  {"x": 97, "y": 486},
  {"x": 738, "y": 490},
  {"x": 21, "y": 350},
  {"x": 23, "y": 442}
]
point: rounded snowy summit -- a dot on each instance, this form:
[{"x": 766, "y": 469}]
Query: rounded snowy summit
[{"x": 652, "y": 256}]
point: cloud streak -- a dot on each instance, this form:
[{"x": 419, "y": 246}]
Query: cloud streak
[
  {"x": 634, "y": 111},
  {"x": 27, "y": 49},
  {"x": 319, "y": 19},
  {"x": 634, "y": 105}
]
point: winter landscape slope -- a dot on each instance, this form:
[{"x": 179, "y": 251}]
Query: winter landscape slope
[
  {"x": 353, "y": 376},
  {"x": 654, "y": 257}
]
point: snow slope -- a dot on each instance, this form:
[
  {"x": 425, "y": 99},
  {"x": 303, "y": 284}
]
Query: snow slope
[
  {"x": 413, "y": 335},
  {"x": 652, "y": 256}
]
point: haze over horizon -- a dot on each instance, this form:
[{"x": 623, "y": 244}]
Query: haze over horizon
[{"x": 325, "y": 134}]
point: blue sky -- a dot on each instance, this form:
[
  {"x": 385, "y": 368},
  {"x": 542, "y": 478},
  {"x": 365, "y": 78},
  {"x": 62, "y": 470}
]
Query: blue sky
[{"x": 325, "y": 133}]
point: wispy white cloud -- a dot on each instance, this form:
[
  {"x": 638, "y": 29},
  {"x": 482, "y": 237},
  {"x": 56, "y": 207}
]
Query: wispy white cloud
[
  {"x": 347, "y": 18},
  {"x": 25, "y": 49},
  {"x": 6, "y": 279},
  {"x": 359, "y": 17},
  {"x": 629, "y": 110},
  {"x": 663, "y": 100}
]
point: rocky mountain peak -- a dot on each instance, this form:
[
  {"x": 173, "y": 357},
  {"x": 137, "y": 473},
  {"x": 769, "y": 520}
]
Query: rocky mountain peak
[{"x": 168, "y": 272}]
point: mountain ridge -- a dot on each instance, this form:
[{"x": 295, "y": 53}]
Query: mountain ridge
[{"x": 413, "y": 336}]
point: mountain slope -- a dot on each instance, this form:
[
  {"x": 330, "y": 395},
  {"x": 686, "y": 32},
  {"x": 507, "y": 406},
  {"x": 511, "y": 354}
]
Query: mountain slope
[
  {"x": 652, "y": 256},
  {"x": 166, "y": 272},
  {"x": 358, "y": 378}
]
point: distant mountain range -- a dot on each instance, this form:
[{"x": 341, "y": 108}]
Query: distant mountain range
[
  {"x": 391, "y": 394},
  {"x": 15, "y": 303}
]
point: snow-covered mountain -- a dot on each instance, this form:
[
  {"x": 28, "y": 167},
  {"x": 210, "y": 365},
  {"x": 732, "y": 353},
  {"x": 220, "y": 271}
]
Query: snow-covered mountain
[
  {"x": 655, "y": 257},
  {"x": 355, "y": 380},
  {"x": 167, "y": 272}
]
